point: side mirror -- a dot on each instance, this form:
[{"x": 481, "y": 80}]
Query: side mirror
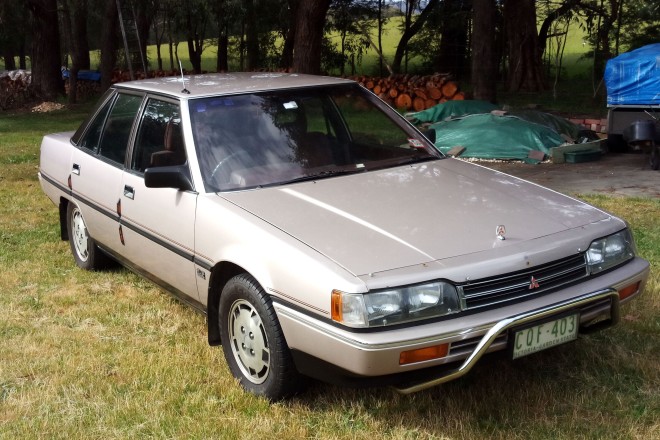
[{"x": 177, "y": 177}]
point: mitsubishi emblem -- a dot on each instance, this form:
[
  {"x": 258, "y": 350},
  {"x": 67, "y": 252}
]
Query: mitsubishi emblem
[
  {"x": 533, "y": 284},
  {"x": 500, "y": 231}
]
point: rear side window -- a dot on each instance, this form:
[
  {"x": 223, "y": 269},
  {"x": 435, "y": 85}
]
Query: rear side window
[
  {"x": 118, "y": 125},
  {"x": 93, "y": 133}
]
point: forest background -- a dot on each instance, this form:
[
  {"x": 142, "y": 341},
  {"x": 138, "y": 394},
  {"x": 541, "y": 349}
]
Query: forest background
[{"x": 492, "y": 47}]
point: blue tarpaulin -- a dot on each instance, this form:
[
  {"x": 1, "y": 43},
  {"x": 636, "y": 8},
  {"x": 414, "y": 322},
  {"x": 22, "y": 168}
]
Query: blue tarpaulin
[
  {"x": 87, "y": 75},
  {"x": 633, "y": 78}
]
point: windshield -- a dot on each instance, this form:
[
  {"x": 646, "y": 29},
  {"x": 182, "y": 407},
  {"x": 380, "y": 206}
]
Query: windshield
[{"x": 272, "y": 138}]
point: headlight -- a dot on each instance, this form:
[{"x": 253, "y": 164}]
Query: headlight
[
  {"x": 394, "y": 306},
  {"x": 610, "y": 251}
]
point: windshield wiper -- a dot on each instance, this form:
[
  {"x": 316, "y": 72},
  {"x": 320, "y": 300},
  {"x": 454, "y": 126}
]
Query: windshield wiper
[
  {"x": 320, "y": 175},
  {"x": 415, "y": 159}
]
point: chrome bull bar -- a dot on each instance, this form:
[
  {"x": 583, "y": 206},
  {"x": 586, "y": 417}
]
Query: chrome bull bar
[{"x": 515, "y": 321}]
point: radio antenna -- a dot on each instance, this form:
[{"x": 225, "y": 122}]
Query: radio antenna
[{"x": 183, "y": 80}]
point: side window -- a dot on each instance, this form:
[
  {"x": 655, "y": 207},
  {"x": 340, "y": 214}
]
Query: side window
[
  {"x": 159, "y": 140},
  {"x": 93, "y": 134},
  {"x": 117, "y": 130}
]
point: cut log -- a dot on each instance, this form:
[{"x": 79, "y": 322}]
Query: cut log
[
  {"x": 421, "y": 93},
  {"x": 418, "y": 104},
  {"x": 434, "y": 92},
  {"x": 403, "y": 101},
  {"x": 449, "y": 89}
]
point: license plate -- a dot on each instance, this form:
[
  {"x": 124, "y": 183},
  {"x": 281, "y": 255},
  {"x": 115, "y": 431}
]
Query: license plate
[{"x": 541, "y": 336}]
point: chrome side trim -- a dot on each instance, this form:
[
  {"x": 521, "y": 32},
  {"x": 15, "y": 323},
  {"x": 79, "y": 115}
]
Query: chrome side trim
[{"x": 508, "y": 323}]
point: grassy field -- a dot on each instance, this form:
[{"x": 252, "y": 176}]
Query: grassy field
[{"x": 108, "y": 355}]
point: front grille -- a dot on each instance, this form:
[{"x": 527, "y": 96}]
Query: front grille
[{"x": 496, "y": 290}]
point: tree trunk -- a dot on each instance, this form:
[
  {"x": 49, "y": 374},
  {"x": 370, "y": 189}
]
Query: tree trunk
[
  {"x": 75, "y": 20},
  {"x": 195, "y": 54},
  {"x": 289, "y": 40},
  {"x": 410, "y": 32},
  {"x": 8, "y": 56},
  {"x": 79, "y": 40},
  {"x": 223, "y": 51},
  {"x": 525, "y": 70},
  {"x": 484, "y": 66},
  {"x": 604, "y": 45},
  {"x": 452, "y": 56},
  {"x": 46, "y": 75},
  {"x": 108, "y": 44},
  {"x": 251, "y": 36},
  {"x": 222, "y": 19},
  {"x": 195, "y": 38},
  {"x": 144, "y": 16},
  {"x": 309, "y": 36}
]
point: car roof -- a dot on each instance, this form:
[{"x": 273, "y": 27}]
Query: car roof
[{"x": 214, "y": 84}]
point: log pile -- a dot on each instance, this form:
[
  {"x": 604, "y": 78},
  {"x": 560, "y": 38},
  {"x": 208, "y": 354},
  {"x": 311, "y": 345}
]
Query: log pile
[
  {"x": 413, "y": 92},
  {"x": 14, "y": 89},
  {"x": 84, "y": 89}
]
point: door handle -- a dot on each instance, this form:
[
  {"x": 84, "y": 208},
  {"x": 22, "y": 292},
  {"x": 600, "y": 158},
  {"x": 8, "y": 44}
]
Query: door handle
[
  {"x": 76, "y": 169},
  {"x": 129, "y": 192}
]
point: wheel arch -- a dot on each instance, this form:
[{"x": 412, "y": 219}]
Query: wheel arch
[
  {"x": 221, "y": 273},
  {"x": 63, "y": 205}
]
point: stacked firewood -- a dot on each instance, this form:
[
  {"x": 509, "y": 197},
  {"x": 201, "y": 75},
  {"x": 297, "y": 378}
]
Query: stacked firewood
[
  {"x": 84, "y": 89},
  {"x": 413, "y": 92},
  {"x": 14, "y": 89}
]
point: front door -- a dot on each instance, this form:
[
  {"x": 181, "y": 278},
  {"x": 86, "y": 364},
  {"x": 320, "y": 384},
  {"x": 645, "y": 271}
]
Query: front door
[{"x": 157, "y": 224}]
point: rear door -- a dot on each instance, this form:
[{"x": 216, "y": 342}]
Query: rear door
[
  {"x": 98, "y": 163},
  {"x": 157, "y": 224}
]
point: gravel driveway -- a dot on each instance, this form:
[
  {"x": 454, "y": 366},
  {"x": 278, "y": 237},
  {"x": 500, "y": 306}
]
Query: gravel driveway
[{"x": 613, "y": 174}]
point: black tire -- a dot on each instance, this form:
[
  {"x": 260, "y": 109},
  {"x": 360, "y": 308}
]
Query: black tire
[
  {"x": 87, "y": 254},
  {"x": 655, "y": 157},
  {"x": 616, "y": 144},
  {"x": 252, "y": 340}
]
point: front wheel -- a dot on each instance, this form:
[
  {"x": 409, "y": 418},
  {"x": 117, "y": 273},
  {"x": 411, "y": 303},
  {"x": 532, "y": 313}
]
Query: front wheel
[
  {"x": 87, "y": 255},
  {"x": 252, "y": 340}
]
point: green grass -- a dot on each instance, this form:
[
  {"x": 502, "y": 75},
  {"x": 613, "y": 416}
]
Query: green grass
[{"x": 108, "y": 355}]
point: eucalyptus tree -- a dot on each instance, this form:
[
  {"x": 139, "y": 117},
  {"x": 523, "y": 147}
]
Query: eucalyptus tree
[
  {"x": 46, "y": 76},
  {"x": 310, "y": 21},
  {"x": 13, "y": 33},
  {"x": 351, "y": 20},
  {"x": 75, "y": 17},
  {"x": 411, "y": 28}
]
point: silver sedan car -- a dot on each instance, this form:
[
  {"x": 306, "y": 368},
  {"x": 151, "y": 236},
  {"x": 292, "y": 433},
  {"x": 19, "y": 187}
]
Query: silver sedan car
[{"x": 323, "y": 235}]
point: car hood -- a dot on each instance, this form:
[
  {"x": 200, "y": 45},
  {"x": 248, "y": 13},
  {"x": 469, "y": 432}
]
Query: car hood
[{"x": 387, "y": 219}]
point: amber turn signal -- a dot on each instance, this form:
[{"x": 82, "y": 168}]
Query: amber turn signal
[
  {"x": 423, "y": 354},
  {"x": 628, "y": 290},
  {"x": 336, "y": 306}
]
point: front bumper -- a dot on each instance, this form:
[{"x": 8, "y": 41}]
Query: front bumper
[{"x": 377, "y": 353}]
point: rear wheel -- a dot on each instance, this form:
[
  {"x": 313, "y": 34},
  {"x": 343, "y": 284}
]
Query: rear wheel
[
  {"x": 87, "y": 255},
  {"x": 252, "y": 340}
]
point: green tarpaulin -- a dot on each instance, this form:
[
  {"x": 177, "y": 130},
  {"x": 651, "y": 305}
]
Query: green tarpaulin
[
  {"x": 557, "y": 123},
  {"x": 450, "y": 110},
  {"x": 486, "y": 136}
]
